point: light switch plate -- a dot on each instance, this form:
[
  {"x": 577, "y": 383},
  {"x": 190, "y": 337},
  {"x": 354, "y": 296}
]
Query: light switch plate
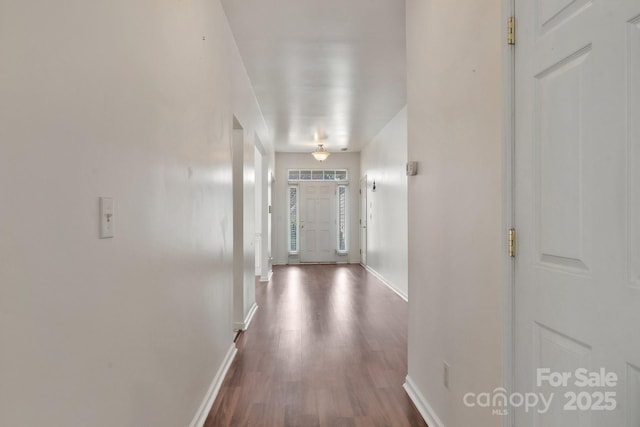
[
  {"x": 445, "y": 374},
  {"x": 412, "y": 168},
  {"x": 107, "y": 219}
]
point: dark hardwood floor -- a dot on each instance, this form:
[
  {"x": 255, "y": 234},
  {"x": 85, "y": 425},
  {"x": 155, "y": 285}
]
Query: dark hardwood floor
[{"x": 327, "y": 347}]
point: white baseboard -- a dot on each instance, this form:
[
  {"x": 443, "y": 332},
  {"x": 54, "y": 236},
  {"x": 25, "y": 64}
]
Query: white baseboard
[
  {"x": 267, "y": 277},
  {"x": 250, "y": 314},
  {"x": 237, "y": 326},
  {"x": 387, "y": 284},
  {"x": 421, "y": 404},
  {"x": 212, "y": 393}
]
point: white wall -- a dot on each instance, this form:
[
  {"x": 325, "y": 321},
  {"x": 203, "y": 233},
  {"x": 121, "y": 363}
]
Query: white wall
[
  {"x": 135, "y": 100},
  {"x": 384, "y": 160},
  {"x": 455, "y": 203},
  {"x": 285, "y": 161}
]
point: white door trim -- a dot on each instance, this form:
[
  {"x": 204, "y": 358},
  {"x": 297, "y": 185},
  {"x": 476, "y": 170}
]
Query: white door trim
[
  {"x": 363, "y": 230},
  {"x": 508, "y": 210}
]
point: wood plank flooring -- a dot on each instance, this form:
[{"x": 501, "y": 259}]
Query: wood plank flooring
[{"x": 327, "y": 347}]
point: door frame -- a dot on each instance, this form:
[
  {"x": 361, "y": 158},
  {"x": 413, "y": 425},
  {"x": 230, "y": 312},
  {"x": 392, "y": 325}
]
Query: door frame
[
  {"x": 363, "y": 215},
  {"x": 508, "y": 206}
]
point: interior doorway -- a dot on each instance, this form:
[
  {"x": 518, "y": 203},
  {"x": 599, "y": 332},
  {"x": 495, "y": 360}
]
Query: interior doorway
[
  {"x": 237, "y": 144},
  {"x": 242, "y": 153},
  {"x": 363, "y": 220},
  {"x": 259, "y": 209}
]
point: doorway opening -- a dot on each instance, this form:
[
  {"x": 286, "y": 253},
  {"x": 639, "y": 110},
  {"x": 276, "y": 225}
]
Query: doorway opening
[
  {"x": 242, "y": 154},
  {"x": 363, "y": 220}
]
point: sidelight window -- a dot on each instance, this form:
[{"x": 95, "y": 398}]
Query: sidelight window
[
  {"x": 293, "y": 219},
  {"x": 342, "y": 218}
]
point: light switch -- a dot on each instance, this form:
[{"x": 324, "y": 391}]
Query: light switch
[
  {"x": 106, "y": 218},
  {"x": 412, "y": 168}
]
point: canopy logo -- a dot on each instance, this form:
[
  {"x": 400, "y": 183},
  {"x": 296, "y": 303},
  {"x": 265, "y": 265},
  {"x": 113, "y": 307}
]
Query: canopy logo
[{"x": 499, "y": 400}]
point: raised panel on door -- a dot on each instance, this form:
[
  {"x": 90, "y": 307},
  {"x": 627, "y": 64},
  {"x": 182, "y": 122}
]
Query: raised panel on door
[
  {"x": 324, "y": 210},
  {"x": 559, "y": 353},
  {"x": 559, "y": 138},
  {"x": 551, "y": 14},
  {"x": 310, "y": 242}
]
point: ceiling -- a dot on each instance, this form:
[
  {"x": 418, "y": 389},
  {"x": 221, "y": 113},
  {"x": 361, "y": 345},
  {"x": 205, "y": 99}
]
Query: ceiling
[{"x": 336, "y": 67}]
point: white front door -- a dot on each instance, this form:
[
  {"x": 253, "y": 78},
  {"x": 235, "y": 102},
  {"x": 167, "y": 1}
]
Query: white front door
[
  {"x": 317, "y": 222},
  {"x": 577, "y": 209}
]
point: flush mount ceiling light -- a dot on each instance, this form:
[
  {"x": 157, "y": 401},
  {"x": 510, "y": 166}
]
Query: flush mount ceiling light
[{"x": 320, "y": 154}]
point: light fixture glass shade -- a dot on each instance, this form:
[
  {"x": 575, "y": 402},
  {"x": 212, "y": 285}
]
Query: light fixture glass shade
[{"x": 320, "y": 154}]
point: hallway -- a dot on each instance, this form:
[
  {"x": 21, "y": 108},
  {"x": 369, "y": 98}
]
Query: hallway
[{"x": 327, "y": 347}]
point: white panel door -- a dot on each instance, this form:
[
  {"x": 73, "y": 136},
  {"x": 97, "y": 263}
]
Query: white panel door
[
  {"x": 317, "y": 222},
  {"x": 577, "y": 202}
]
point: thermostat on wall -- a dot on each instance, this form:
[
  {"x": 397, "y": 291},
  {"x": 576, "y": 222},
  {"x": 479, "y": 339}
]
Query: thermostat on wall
[{"x": 412, "y": 168}]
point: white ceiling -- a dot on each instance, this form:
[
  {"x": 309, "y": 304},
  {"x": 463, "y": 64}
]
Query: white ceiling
[{"x": 333, "y": 66}]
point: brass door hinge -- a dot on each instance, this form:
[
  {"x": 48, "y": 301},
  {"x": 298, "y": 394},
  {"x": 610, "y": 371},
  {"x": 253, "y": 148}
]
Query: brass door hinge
[
  {"x": 511, "y": 30},
  {"x": 512, "y": 242}
]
